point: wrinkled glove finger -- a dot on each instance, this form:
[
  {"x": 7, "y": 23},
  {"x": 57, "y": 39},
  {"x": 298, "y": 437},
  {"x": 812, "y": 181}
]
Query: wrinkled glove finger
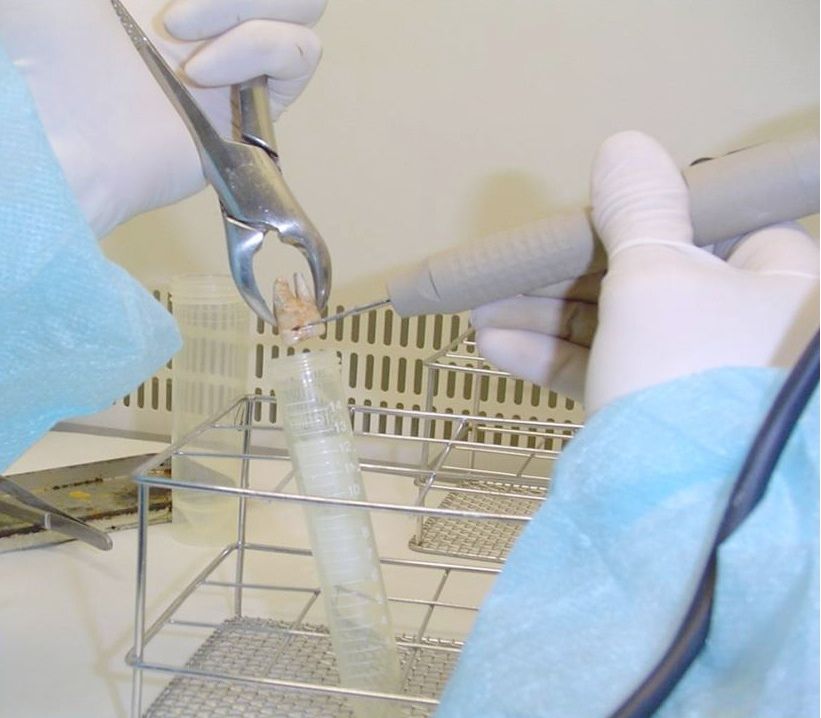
[
  {"x": 574, "y": 322},
  {"x": 203, "y": 19},
  {"x": 639, "y": 196},
  {"x": 288, "y": 54},
  {"x": 582, "y": 289},
  {"x": 546, "y": 361},
  {"x": 783, "y": 249}
]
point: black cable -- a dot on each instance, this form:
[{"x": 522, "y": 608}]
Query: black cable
[{"x": 748, "y": 489}]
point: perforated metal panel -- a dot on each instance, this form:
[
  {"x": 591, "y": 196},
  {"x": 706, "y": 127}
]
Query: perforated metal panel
[{"x": 383, "y": 360}]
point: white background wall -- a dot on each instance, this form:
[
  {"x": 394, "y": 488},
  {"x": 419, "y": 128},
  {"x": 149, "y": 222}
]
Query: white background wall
[{"x": 431, "y": 122}]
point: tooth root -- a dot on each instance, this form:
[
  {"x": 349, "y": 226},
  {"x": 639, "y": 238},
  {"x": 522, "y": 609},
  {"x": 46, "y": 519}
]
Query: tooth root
[
  {"x": 282, "y": 293},
  {"x": 302, "y": 290}
]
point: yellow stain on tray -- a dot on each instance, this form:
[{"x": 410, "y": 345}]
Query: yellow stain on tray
[{"x": 83, "y": 495}]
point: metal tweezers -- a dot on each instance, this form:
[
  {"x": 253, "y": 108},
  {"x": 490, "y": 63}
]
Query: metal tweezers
[
  {"x": 246, "y": 177},
  {"x": 31, "y": 508}
]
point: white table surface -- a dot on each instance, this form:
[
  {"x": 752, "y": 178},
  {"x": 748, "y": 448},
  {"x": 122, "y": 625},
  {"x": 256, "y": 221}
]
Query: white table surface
[{"x": 66, "y": 611}]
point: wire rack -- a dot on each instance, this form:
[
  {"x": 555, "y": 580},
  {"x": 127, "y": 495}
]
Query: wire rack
[
  {"x": 492, "y": 466},
  {"x": 246, "y": 637}
]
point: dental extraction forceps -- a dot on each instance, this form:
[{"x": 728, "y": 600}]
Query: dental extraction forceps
[{"x": 246, "y": 177}]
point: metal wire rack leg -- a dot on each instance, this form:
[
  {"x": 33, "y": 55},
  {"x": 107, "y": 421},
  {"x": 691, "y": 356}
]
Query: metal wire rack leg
[
  {"x": 242, "y": 513},
  {"x": 143, "y": 495}
]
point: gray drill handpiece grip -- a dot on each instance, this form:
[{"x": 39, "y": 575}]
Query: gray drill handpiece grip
[{"x": 729, "y": 196}]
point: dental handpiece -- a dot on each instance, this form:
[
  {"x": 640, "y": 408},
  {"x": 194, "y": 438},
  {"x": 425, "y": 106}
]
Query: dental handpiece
[{"x": 730, "y": 196}]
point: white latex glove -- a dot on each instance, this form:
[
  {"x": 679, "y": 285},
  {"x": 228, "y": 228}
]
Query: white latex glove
[
  {"x": 667, "y": 308},
  {"x": 544, "y": 336},
  {"x": 122, "y": 146}
]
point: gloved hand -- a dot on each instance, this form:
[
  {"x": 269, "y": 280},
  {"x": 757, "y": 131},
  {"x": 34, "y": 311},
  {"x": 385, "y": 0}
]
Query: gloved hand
[
  {"x": 543, "y": 336},
  {"x": 667, "y": 308},
  {"x": 122, "y": 146}
]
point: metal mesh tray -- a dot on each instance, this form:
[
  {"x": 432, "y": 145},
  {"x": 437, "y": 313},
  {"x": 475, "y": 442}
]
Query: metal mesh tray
[
  {"x": 478, "y": 540},
  {"x": 274, "y": 650}
]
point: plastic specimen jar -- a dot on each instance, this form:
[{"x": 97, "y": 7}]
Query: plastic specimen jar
[
  {"x": 208, "y": 373},
  {"x": 312, "y": 408}
]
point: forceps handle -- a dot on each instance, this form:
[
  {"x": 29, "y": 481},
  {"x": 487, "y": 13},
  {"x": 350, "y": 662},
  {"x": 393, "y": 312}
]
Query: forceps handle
[
  {"x": 256, "y": 124},
  {"x": 41, "y": 513}
]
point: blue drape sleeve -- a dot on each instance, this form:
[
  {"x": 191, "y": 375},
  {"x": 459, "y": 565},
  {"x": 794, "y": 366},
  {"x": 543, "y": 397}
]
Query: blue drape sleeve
[
  {"x": 76, "y": 331},
  {"x": 600, "y": 578}
]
